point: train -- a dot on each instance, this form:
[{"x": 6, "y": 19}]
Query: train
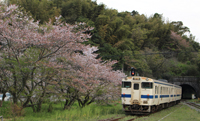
[{"x": 141, "y": 95}]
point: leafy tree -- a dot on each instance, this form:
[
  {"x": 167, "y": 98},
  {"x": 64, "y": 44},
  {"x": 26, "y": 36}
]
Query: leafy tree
[
  {"x": 41, "y": 10},
  {"x": 133, "y": 13},
  {"x": 179, "y": 28},
  {"x": 122, "y": 35},
  {"x": 141, "y": 65},
  {"x": 18, "y": 35},
  {"x": 71, "y": 10}
]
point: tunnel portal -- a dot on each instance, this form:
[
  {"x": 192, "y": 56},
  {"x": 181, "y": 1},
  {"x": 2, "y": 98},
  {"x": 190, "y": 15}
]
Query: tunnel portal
[{"x": 187, "y": 91}]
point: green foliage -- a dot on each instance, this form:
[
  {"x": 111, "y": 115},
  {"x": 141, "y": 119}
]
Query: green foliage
[
  {"x": 41, "y": 10},
  {"x": 179, "y": 28},
  {"x": 121, "y": 34},
  {"x": 5, "y": 109},
  {"x": 195, "y": 45},
  {"x": 71, "y": 10},
  {"x": 93, "y": 111},
  {"x": 141, "y": 65},
  {"x": 10, "y": 110},
  {"x": 181, "y": 69},
  {"x": 86, "y": 20}
]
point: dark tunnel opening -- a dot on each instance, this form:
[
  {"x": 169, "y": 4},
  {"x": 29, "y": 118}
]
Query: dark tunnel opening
[{"x": 187, "y": 91}]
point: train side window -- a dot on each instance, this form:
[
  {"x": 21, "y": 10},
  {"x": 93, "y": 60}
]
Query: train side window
[
  {"x": 147, "y": 85},
  {"x": 136, "y": 86},
  {"x": 161, "y": 90},
  {"x": 165, "y": 90},
  {"x": 155, "y": 89}
]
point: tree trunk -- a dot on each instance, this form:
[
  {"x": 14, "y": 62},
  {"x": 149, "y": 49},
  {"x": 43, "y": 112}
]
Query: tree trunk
[
  {"x": 14, "y": 98},
  {"x": 66, "y": 104},
  {"x": 33, "y": 106},
  {"x": 39, "y": 105},
  {"x": 69, "y": 103},
  {"x": 27, "y": 101},
  {"x": 4, "y": 95},
  {"x": 1, "y": 102}
]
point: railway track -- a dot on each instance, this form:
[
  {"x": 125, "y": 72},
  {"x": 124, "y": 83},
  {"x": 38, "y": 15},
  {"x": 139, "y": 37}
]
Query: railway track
[
  {"x": 144, "y": 115},
  {"x": 193, "y": 105},
  {"x": 117, "y": 119},
  {"x": 113, "y": 119}
]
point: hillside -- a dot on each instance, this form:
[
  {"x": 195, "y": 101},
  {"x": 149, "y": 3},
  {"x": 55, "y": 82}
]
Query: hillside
[{"x": 156, "y": 48}]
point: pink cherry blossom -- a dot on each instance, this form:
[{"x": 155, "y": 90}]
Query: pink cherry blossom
[{"x": 38, "y": 60}]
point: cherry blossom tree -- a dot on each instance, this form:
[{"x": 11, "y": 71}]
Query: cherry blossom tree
[
  {"x": 89, "y": 78},
  {"x": 25, "y": 44},
  {"x": 38, "y": 60}
]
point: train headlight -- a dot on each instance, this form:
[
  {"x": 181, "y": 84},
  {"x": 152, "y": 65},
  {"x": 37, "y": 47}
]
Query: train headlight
[{"x": 136, "y": 78}]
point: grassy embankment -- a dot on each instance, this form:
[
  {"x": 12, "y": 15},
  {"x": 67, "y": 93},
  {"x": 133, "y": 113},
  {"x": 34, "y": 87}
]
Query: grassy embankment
[
  {"x": 91, "y": 112},
  {"x": 179, "y": 112},
  {"x": 96, "y": 112},
  {"x": 195, "y": 101}
]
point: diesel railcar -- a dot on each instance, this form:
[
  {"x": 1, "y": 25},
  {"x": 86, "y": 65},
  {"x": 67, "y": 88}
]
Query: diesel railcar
[{"x": 144, "y": 95}]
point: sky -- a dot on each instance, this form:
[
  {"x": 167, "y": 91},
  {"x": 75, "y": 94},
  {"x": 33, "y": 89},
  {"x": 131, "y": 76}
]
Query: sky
[{"x": 187, "y": 11}]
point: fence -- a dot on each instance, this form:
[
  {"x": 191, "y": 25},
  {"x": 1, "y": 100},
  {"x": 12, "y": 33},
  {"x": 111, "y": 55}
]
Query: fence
[{"x": 1, "y": 117}]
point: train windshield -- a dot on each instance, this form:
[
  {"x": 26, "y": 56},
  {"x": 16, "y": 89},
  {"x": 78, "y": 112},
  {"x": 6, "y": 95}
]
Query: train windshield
[
  {"x": 126, "y": 84},
  {"x": 147, "y": 85}
]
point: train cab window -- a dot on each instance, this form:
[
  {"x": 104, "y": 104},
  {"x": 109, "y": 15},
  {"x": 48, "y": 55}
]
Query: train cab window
[
  {"x": 136, "y": 86},
  {"x": 126, "y": 84},
  {"x": 147, "y": 85}
]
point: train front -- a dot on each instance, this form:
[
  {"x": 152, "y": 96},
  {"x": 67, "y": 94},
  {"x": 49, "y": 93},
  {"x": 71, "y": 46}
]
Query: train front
[{"x": 136, "y": 94}]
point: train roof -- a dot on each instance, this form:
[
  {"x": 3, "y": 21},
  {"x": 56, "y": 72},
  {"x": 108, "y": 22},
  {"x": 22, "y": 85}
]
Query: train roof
[
  {"x": 163, "y": 80},
  {"x": 160, "y": 81}
]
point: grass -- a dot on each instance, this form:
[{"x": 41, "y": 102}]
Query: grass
[
  {"x": 91, "y": 112},
  {"x": 195, "y": 100},
  {"x": 5, "y": 109},
  {"x": 178, "y": 112},
  {"x": 96, "y": 112}
]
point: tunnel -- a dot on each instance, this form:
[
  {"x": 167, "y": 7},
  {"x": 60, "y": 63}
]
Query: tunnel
[{"x": 187, "y": 91}]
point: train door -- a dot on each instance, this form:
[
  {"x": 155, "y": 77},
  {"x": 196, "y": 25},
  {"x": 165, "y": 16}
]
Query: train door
[{"x": 136, "y": 92}]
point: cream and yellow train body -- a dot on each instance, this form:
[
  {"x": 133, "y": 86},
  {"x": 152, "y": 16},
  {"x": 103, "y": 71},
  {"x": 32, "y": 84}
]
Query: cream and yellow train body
[{"x": 144, "y": 95}]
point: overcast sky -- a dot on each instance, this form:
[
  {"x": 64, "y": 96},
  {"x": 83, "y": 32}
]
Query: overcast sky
[{"x": 187, "y": 11}]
